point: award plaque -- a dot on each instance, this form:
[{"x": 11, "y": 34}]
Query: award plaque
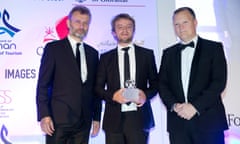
[{"x": 130, "y": 92}]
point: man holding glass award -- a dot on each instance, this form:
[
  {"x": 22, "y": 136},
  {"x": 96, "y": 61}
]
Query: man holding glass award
[{"x": 126, "y": 81}]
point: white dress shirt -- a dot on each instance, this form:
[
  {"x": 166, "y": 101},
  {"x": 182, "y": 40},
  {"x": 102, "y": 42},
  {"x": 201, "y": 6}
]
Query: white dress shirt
[
  {"x": 186, "y": 64},
  {"x": 82, "y": 57},
  {"x": 132, "y": 62}
]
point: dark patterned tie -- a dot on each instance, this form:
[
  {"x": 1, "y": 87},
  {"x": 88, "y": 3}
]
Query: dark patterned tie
[{"x": 126, "y": 65}]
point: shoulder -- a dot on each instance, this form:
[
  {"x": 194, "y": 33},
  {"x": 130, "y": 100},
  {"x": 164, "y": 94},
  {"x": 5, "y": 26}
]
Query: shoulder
[
  {"x": 109, "y": 56},
  {"x": 56, "y": 43},
  {"x": 109, "y": 53},
  {"x": 143, "y": 50},
  {"x": 90, "y": 48},
  {"x": 209, "y": 44},
  {"x": 171, "y": 49}
]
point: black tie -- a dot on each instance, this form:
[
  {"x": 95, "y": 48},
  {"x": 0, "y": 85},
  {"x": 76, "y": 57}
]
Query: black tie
[
  {"x": 78, "y": 59},
  {"x": 126, "y": 65},
  {"x": 191, "y": 44}
]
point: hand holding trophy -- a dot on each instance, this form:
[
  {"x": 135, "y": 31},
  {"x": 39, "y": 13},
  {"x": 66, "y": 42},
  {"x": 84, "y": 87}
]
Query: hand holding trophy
[{"x": 131, "y": 92}]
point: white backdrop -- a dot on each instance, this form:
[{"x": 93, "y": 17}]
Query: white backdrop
[
  {"x": 25, "y": 28},
  {"x": 27, "y": 25}
]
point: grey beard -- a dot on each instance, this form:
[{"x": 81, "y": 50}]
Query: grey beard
[{"x": 79, "y": 36}]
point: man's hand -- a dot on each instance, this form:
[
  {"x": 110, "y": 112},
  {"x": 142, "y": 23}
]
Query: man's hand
[
  {"x": 185, "y": 110},
  {"x": 95, "y": 128},
  {"x": 118, "y": 97},
  {"x": 46, "y": 124},
  {"x": 141, "y": 98}
]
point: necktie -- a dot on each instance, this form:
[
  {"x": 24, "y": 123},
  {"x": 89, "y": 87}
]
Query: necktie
[
  {"x": 191, "y": 44},
  {"x": 126, "y": 65},
  {"x": 78, "y": 59},
  {"x": 126, "y": 68}
]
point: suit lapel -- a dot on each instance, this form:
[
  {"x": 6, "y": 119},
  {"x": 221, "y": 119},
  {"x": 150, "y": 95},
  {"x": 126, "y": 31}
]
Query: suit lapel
[
  {"x": 178, "y": 69},
  {"x": 138, "y": 61},
  {"x": 88, "y": 57},
  {"x": 195, "y": 63},
  {"x": 69, "y": 53},
  {"x": 114, "y": 68}
]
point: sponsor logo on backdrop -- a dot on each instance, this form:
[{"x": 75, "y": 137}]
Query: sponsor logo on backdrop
[
  {"x": 5, "y": 101},
  {"x": 48, "y": 37},
  {"x": 80, "y": 1},
  {"x": 4, "y": 135},
  {"x": 233, "y": 120},
  {"x": 104, "y": 46},
  {"x": 7, "y": 46},
  {"x": 51, "y": 35},
  {"x": 7, "y": 28},
  {"x": 20, "y": 73},
  {"x": 5, "y": 97}
]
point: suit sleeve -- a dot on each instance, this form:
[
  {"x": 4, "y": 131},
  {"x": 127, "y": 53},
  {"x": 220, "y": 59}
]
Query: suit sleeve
[
  {"x": 45, "y": 77},
  {"x": 211, "y": 95},
  {"x": 151, "y": 91},
  {"x": 164, "y": 84},
  {"x": 101, "y": 80}
]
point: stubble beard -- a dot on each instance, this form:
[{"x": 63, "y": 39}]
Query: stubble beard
[{"x": 129, "y": 40}]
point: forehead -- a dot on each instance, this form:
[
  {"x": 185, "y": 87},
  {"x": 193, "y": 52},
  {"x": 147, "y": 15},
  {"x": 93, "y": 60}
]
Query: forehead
[
  {"x": 182, "y": 15},
  {"x": 78, "y": 15},
  {"x": 123, "y": 21}
]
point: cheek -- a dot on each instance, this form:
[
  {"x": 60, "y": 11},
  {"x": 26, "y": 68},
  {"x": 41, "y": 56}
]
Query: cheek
[
  {"x": 176, "y": 30},
  {"x": 86, "y": 27}
]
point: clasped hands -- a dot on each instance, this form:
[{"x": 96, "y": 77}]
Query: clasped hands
[
  {"x": 185, "y": 110},
  {"x": 118, "y": 97}
]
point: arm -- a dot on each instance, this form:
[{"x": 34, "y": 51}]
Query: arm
[
  {"x": 101, "y": 87},
  {"x": 151, "y": 90},
  {"x": 107, "y": 82},
  {"x": 43, "y": 91},
  {"x": 164, "y": 82},
  {"x": 44, "y": 83},
  {"x": 211, "y": 95}
]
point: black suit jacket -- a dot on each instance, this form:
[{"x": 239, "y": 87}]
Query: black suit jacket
[
  {"x": 207, "y": 81},
  {"x": 60, "y": 92},
  {"x": 146, "y": 79}
]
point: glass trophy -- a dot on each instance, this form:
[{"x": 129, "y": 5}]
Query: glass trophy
[{"x": 130, "y": 92}]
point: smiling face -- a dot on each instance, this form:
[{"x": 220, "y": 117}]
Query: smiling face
[
  {"x": 123, "y": 31},
  {"x": 185, "y": 25},
  {"x": 78, "y": 25}
]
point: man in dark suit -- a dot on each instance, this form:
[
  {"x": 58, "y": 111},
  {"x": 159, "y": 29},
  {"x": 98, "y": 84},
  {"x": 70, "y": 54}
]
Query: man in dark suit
[
  {"x": 66, "y": 102},
  {"x": 126, "y": 121},
  {"x": 192, "y": 77}
]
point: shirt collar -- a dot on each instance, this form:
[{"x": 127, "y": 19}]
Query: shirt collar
[
  {"x": 195, "y": 39},
  {"x": 119, "y": 47},
  {"x": 73, "y": 42}
]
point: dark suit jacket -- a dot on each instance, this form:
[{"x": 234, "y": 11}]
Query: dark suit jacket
[
  {"x": 60, "y": 92},
  {"x": 207, "y": 81},
  {"x": 108, "y": 75}
]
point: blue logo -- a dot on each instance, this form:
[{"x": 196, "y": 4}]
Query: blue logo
[
  {"x": 9, "y": 29},
  {"x": 4, "y": 133},
  {"x": 80, "y": 1}
]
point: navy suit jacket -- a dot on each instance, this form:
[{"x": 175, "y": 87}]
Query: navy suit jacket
[
  {"x": 146, "y": 80},
  {"x": 207, "y": 81},
  {"x": 60, "y": 92}
]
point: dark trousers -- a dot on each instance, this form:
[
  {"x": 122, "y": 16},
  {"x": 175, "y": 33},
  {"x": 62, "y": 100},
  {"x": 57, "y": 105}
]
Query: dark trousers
[
  {"x": 70, "y": 134},
  {"x": 131, "y": 133},
  {"x": 190, "y": 135}
]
